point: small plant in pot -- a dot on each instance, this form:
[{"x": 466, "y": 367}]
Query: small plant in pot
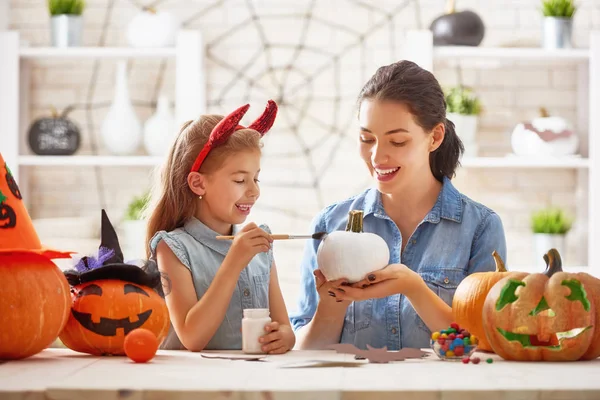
[
  {"x": 550, "y": 227},
  {"x": 558, "y": 23},
  {"x": 133, "y": 228},
  {"x": 463, "y": 109},
  {"x": 66, "y": 22}
]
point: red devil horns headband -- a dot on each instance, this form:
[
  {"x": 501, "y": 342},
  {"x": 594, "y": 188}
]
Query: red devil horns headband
[{"x": 225, "y": 128}]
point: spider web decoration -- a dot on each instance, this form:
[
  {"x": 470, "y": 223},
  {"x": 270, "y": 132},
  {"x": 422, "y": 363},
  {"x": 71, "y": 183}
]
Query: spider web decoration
[
  {"x": 315, "y": 82},
  {"x": 311, "y": 61}
]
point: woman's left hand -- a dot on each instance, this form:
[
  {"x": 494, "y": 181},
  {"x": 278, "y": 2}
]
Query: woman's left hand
[
  {"x": 393, "y": 279},
  {"x": 278, "y": 340}
]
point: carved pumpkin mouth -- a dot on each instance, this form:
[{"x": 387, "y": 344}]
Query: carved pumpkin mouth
[
  {"x": 108, "y": 326},
  {"x": 553, "y": 342}
]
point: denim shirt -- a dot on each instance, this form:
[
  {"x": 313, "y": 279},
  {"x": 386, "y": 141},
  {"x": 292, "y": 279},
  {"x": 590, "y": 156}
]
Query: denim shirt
[
  {"x": 456, "y": 238},
  {"x": 196, "y": 246}
]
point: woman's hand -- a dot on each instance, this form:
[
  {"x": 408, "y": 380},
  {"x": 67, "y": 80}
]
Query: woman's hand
[
  {"x": 278, "y": 340},
  {"x": 327, "y": 290},
  {"x": 393, "y": 279}
]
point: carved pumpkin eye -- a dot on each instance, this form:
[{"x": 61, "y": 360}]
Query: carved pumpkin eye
[
  {"x": 577, "y": 292},
  {"x": 90, "y": 290},
  {"x": 134, "y": 289},
  {"x": 507, "y": 295}
]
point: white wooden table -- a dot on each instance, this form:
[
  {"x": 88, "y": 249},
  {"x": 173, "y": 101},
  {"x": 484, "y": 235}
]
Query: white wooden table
[{"x": 63, "y": 374}]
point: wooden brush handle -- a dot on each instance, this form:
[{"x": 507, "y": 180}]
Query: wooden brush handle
[{"x": 275, "y": 237}]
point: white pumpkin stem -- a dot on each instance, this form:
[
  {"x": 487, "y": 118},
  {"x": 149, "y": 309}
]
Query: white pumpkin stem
[
  {"x": 355, "y": 221},
  {"x": 500, "y": 267},
  {"x": 544, "y": 112}
]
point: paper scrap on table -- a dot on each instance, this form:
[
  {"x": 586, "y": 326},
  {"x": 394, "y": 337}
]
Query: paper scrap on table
[
  {"x": 375, "y": 355},
  {"x": 236, "y": 357},
  {"x": 322, "y": 364}
]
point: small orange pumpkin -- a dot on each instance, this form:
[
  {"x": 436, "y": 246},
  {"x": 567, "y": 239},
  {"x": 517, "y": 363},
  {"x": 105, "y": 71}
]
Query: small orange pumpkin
[
  {"x": 467, "y": 304},
  {"x": 111, "y": 298},
  {"x": 550, "y": 316}
]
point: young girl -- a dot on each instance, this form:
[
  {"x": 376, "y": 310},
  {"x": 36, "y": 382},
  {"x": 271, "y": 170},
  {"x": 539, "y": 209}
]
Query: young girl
[{"x": 208, "y": 186}]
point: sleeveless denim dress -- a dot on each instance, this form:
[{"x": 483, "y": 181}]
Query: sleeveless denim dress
[{"x": 196, "y": 246}]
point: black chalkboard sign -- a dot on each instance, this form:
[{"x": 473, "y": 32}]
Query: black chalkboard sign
[{"x": 54, "y": 136}]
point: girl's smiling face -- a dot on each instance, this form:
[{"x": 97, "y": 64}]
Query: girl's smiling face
[
  {"x": 230, "y": 192},
  {"x": 394, "y": 147}
]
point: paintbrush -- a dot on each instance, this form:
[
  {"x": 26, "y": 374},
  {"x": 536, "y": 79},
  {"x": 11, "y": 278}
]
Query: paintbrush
[{"x": 316, "y": 236}]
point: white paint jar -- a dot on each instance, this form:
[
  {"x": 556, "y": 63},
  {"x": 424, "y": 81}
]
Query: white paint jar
[{"x": 253, "y": 327}]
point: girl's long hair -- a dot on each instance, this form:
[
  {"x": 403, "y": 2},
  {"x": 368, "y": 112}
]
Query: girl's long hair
[{"x": 172, "y": 202}]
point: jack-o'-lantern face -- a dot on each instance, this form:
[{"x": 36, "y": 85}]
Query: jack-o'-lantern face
[
  {"x": 540, "y": 317},
  {"x": 104, "y": 311}
]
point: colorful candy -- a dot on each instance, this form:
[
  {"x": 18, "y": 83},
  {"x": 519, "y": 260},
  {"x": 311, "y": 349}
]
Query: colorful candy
[{"x": 453, "y": 342}]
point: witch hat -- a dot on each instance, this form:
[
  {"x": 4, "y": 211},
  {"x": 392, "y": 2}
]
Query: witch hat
[
  {"x": 17, "y": 233},
  {"x": 109, "y": 263}
]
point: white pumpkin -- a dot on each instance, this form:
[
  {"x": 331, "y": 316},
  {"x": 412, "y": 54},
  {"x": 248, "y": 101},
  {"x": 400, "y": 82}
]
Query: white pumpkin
[
  {"x": 352, "y": 254},
  {"x": 151, "y": 28},
  {"x": 544, "y": 136}
]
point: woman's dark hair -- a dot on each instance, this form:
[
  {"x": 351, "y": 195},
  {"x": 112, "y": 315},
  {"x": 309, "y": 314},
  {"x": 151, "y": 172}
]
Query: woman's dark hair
[{"x": 407, "y": 83}]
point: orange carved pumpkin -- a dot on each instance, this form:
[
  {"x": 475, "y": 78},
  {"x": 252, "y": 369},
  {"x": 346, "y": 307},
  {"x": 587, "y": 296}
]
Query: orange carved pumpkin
[
  {"x": 34, "y": 304},
  {"x": 544, "y": 317},
  {"x": 105, "y": 311},
  {"x": 467, "y": 304},
  {"x": 111, "y": 298},
  {"x": 34, "y": 294}
]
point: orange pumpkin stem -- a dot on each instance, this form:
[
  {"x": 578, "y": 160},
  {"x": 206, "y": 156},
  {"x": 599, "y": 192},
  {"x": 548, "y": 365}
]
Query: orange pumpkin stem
[
  {"x": 500, "y": 267},
  {"x": 553, "y": 262}
]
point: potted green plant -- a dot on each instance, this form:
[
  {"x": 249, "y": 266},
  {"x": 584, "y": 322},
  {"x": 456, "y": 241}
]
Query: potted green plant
[
  {"x": 550, "y": 227},
  {"x": 133, "y": 227},
  {"x": 66, "y": 22},
  {"x": 463, "y": 109},
  {"x": 558, "y": 23}
]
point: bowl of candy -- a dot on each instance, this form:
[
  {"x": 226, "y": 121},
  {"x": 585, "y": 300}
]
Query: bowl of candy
[{"x": 453, "y": 343}]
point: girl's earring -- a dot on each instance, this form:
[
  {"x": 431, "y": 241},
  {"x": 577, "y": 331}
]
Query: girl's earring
[{"x": 200, "y": 197}]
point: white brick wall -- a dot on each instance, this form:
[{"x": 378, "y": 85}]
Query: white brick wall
[{"x": 509, "y": 95}]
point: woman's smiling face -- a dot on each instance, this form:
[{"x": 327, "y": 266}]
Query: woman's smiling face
[{"x": 394, "y": 147}]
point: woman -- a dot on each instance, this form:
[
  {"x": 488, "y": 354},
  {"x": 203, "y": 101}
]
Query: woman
[{"x": 436, "y": 235}]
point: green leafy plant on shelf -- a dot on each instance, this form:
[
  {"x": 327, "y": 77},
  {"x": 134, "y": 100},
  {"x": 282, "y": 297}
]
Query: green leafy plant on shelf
[
  {"x": 550, "y": 221},
  {"x": 558, "y": 8},
  {"x": 136, "y": 207},
  {"x": 66, "y": 7},
  {"x": 462, "y": 100}
]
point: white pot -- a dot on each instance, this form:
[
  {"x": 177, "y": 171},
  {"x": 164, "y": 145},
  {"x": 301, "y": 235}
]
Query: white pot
[
  {"x": 466, "y": 129},
  {"x": 544, "y": 242},
  {"x": 121, "y": 129},
  {"x": 133, "y": 239},
  {"x": 152, "y": 29},
  {"x": 159, "y": 129}
]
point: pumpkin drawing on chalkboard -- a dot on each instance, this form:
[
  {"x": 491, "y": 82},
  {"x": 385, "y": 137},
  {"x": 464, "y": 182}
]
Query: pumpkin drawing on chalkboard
[{"x": 55, "y": 135}]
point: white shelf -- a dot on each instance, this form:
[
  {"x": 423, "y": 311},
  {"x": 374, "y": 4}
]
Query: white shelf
[
  {"x": 91, "y": 160},
  {"x": 509, "y": 53},
  {"x": 95, "y": 52},
  {"x": 524, "y": 162}
]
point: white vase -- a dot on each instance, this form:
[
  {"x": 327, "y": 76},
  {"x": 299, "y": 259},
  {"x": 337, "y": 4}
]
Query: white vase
[
  {"x": 121, "y": 129},
  {"x": 466, "y": 129},
  {"x": 151, "y": 28},
  {"x": 544, "y": 242},
  {"x": 159, "y": 129}
]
